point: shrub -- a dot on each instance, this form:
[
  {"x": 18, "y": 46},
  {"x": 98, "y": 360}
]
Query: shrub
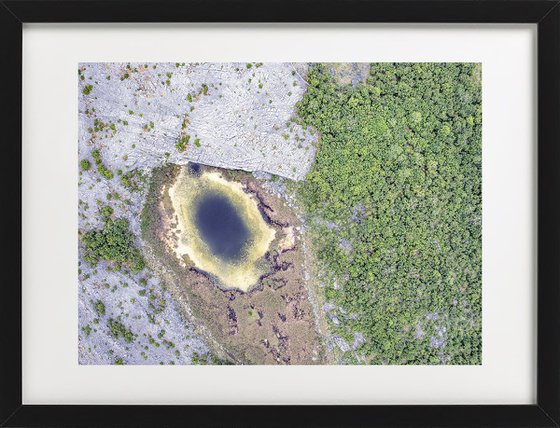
[
  {"x": 132, "y": 179},
  {"x": 100, "y": 308},
  {"x": 114, "y": 243},
  {"x": 182, "y": 143},
  {"x": 85, "y": 165},
  {"x": 106, "y": 212},
  {"x": 118, "y": 329},
  {"x": 101, "y": 168}
]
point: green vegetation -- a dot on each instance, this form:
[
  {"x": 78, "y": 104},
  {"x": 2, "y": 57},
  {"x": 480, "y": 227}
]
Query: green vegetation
[
  {"x": 118, "y": 329},
  {"x": 133, "y": 180},
  {"x": 208, "y": 359},
  {"x": 108, "y": 129},
  {"x": 100, "y": 308},
  {"x": 106, "y": 212},
  {"x": 87, "y": 330},
  {"x": 182, "y": 143},
  {"x": 101, "y": 168},
  {"x": 115, "y": 243},
  {"x": 85, "y": 165},
  {"x": 395, "y": 192},
  {"x": 87, "y": 89}
]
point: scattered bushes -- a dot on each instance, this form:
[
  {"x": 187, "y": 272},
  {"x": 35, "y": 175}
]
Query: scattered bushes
[
  {"x": 87, "y": 330},
  {"x": 118, "y": 329},
  {"x": 101, "y": 168},
  {"x": 133, "y": 180}
]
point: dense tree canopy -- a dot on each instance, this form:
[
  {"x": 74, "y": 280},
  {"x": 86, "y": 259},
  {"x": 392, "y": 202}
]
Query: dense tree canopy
[
  {"x": 394, "y": 199},
  {"x": 115, "y": 243}
]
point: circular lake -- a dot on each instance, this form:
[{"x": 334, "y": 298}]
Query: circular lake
[{"x": 221, "y": 227}]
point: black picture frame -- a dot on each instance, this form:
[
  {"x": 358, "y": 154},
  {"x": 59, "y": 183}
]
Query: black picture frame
[{"x": 544, "y": 13}]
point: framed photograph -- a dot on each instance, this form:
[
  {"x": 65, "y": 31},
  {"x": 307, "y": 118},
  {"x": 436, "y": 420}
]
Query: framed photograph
[{"x": 298, "y": 213}]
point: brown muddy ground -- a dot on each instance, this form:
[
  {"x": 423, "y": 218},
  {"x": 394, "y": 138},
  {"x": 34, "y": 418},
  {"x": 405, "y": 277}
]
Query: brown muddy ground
[{"x": 274, "y": 322}]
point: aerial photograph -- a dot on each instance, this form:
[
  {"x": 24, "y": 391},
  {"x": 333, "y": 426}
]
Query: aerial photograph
[{"x": 255, "y": 213}]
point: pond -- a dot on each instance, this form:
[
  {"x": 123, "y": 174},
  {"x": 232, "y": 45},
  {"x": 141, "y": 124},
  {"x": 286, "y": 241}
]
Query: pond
[{"x": 221, "y": 227}]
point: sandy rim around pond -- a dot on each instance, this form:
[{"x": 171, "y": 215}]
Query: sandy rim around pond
[
  {"x": 272, "y": 323},
  {"x": 242, "y": 275}
]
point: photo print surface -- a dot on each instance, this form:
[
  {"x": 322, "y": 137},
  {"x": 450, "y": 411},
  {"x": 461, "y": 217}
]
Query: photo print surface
[{"x": 280, "y": 213}]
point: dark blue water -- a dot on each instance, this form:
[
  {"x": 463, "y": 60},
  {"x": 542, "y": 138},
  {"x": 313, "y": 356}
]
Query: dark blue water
[
  {"x": 195, "y": 168},
  {"x": 221, "y": 227}
]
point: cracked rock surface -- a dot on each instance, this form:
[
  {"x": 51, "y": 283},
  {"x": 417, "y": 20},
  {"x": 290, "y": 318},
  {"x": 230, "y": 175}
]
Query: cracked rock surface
[{"x": 233, "y": 115}]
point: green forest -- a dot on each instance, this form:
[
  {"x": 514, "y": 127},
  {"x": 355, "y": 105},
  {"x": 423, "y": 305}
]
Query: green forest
[{"x": 395, "y": 207}]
